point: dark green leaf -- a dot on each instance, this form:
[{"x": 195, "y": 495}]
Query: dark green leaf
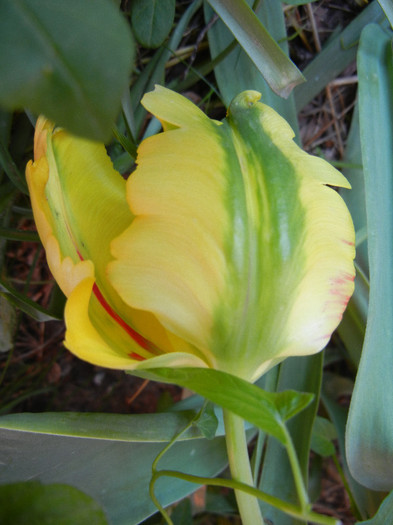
[
  {"x": 154, "y": 72},
  {"x": 152, "y": 20},
  {"x": 182, "y": 514},
  {"x": 6, "y": 161},
  {"x": 56, "y": 504},
  {"x": 19, "y": 235},
  {"x": 69, "y": 60}
]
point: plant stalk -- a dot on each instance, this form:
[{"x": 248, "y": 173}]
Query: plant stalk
[{"x": 239, "y": 464}]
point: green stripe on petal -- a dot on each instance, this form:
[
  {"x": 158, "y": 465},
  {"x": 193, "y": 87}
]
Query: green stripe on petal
[
  {"x": 239, "y": 247},
  {"x": 300, "y": 247}
]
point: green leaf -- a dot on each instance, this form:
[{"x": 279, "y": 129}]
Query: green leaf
[
  {"x": 323, "y": 433},
  {"x": 207, "y": 423},
  {"x": 152, "y": 21},
  {"x": 116, "y": 474},
  {"x": 37, "y": 504},
  {"x": 353, "y": 325},
  {"x": 384, "y": 514},
  {"x": 68, "y": 60},
  {"x": 237, "y": 72},
  {"x": 387, "y": 6},
  {"x": 280, "y": 73},
  {"x": 182, "y": 513},
  {"x": 266, "y": 410},
  {"x": 336, "y": 55},
  {"x": 304, "y": 374},
  {"x": 369, "y": 438},
  {"x": 154, "y": 72},
  {"x": 366, "y": 501},
  {"x": 6, "y": 161},
  {"x": 26, "y": 305},
  {"x": 154, "y": 428},
  {"x": 14, "y": 234}
]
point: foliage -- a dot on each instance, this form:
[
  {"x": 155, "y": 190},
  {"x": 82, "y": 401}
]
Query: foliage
[{"x": 74, "y": 65}]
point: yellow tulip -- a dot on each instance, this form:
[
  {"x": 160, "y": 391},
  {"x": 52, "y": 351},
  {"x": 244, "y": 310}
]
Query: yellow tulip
[{"x": 226, "y": 248}]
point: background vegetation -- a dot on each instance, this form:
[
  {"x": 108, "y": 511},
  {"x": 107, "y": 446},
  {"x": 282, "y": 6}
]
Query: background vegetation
[{"x": 86, "y": 65}]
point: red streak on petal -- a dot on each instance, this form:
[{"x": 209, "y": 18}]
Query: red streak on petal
[
  {"x": 349, "y": 243},
  {"x": 137, "y": 357},
  {"x": 140, "y": 340}
]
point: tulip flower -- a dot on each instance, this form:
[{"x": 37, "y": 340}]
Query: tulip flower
[{"x": 227, "y": 247}]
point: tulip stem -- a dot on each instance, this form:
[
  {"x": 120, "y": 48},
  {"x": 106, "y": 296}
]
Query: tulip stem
[{"x": 239, "y": 464}]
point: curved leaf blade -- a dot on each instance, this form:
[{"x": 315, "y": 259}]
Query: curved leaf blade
[{"x": 278, "y": 70}]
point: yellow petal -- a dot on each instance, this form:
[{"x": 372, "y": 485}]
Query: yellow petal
[
  {"x": 239, "y": 247},
  {"x": 95, "y": 338}
]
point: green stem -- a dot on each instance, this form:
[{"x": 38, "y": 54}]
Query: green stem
[
  {"x": 288, "y": 508},
  {"x": 296, "y": 471},
  {"x": 239, "y": 464}
]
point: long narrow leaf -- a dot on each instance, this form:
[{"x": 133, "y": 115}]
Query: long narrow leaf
[
  {"x": 369, "y": 439},
  {"x": 25, "y": 304},
  {"x": 236, "y": 72},
  {"x": 338, "y": 53},
  {"x": 387, "y": 6},
  {"x": 152, "y": 428},
  {"x": 280, "y": 73}
]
